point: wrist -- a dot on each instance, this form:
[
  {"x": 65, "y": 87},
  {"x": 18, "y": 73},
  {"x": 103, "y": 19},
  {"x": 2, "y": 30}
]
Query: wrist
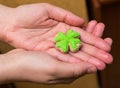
[
  {"x": 5, "y": 20},
  {"x": 9, "y": 71}
]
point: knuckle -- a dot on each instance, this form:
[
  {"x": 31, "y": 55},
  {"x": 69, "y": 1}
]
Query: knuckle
[
  {"x": 54, "y": 70},
  {"x": 95, "y": 50},
  {"x": 77, "y": 73}
]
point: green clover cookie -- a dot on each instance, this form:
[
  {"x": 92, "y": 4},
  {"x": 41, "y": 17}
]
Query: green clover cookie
[{"x": 69, "y": 41}]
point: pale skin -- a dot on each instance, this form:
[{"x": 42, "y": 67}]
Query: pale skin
[
  {"x": 23, "y": 68},
  {"x": 40, "y": 68},
  {"x": 36, "y": 32}
]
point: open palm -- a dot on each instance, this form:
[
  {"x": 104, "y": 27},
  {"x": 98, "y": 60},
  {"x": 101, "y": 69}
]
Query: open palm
[{"x": 35, "y": 26}]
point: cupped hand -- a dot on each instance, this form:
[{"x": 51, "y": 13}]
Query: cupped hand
[
  {"x": 34, "y": 27},
  {"x": 39, "y": 67},
  {"x": 97, "y": 29}
]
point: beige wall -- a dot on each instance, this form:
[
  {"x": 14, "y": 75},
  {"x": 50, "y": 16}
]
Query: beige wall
[{"x": 78, "y": 7}]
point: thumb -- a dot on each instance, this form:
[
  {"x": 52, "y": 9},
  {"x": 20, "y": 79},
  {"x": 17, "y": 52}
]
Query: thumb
[
  {"x": 62, "y": 15},
  {"x": 73, "y": 70}
]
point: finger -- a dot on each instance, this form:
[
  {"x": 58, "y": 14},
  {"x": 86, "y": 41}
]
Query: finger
[
  {"x": 98, "y": 30},
  {"x": 62, "y": 56},
  {"x": 109, "y": 41},
  {"x": 91, "y": 39},
  {"x": 90, "y": 59},
  {"x": 98, "y": 53},
  {"x": 73, "y": 70},
  {"x": 62, "y": 15},
  {"x": 91, "y": 25}
]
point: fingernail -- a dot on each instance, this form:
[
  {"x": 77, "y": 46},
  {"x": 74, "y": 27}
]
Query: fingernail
[
  {"x": 106, "y": 47},
  {"x": 107, "y": 58},
  {"x": 92, "y": 69},
  {"x": 99, "y": 64}
]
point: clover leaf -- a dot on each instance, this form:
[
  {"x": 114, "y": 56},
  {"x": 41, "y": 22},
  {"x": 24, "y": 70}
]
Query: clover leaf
[{"x": 67, "y": 41}]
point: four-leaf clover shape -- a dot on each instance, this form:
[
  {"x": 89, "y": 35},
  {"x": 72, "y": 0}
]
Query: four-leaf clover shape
[{"x": 68, "y": 42}]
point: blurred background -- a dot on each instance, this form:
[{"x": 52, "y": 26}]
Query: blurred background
[{"x": 107, "y": 11}]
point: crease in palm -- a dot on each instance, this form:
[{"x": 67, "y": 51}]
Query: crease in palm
[{"x": 40, "y": 39}]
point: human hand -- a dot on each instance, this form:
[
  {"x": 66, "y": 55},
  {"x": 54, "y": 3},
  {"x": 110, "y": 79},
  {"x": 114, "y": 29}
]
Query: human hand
[
  {"x": 37, "y": 32},
  {"x": 35, "y": 16},
  {"x": 38, "y": 67},
  {"x": 97, "y": 29}
]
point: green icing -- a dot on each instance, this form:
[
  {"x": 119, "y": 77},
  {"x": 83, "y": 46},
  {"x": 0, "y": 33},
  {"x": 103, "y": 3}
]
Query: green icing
[{"x": 70, "y": 39}]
